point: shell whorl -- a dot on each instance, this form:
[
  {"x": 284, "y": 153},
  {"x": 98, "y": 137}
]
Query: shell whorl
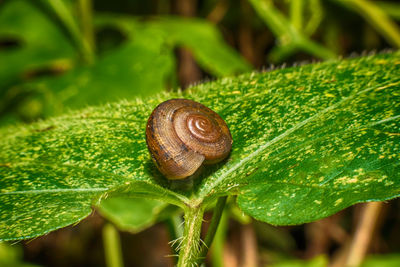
[{"x": 182, "y": 134}]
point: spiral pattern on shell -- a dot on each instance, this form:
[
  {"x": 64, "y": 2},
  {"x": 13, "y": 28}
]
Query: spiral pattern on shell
[{"x": 182, "y": 134}]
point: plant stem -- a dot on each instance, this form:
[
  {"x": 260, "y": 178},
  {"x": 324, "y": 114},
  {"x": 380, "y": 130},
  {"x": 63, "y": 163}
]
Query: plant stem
[
  {"x": 249, "y": 245},
  {"x": 112, "y": 247},
  {"x": 212, "y": 229},
  {"x": 190, "y": 244},
  {"x": 85, "y": 8},
  {"x": 296, "y": 13},
  {"x": 361, "y": 240},
  {"x": 377, "y": 18},
  {"x": 317, "y": 14},
  {"x": 315, "y": 49},
  {"x": 286, "y": 32},
  {"x": 217, "y": 256}
]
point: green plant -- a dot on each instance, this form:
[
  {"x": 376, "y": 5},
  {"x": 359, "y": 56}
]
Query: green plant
[
  {"x": 308, "y": 142},
  {"x": 51, "y": 44}
]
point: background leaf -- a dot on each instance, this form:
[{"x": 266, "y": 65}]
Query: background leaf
[
  {"x": 142, "y": 65},
  {"x": 377, "y": 18},
  {"x": 12, "y": 255},
  {"x": 131, "y": 214},
  {"x": 318, "y": 138},
  {"x": 200, "y": 37},
  {"x": 205, "y": 42},
  {"x": 133, "y": 69},
  {"x": 38, "y": 43}
]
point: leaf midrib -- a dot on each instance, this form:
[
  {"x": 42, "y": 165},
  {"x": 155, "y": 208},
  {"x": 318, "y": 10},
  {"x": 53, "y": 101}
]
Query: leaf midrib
[{"x": 58, "y": 190}]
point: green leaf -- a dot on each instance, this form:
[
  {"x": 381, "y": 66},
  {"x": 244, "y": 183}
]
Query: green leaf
[
  {"x": 131, "y": 214},
  {"x": 40, "y": 44},
  {"x": 131, "y": 70},
  {"x": 308, "y": 142},
  {"x": 205, "y": 42},
  {"x": 199, "y": 36},
  {"x": 31, "y": 213},
  {"x": 60, "y": 168},
  {"x": 345, "y": 150}
]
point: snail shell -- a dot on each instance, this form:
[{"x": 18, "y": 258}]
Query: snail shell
[{"x": 182, "y": 134}]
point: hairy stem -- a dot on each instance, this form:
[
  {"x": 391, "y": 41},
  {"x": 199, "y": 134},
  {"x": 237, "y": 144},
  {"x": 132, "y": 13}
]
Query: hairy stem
[
  {"x": 190, "y": 244},
  {"x": 175, "y": 229}
]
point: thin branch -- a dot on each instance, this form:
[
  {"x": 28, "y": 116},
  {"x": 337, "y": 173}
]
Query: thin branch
[
  {"x": 362, "y": 237},
  {"x": 112, "y": 246},
  {"x": 86, "y": 18}
]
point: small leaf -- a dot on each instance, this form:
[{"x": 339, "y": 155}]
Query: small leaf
[{"x": 131, "y": 214}]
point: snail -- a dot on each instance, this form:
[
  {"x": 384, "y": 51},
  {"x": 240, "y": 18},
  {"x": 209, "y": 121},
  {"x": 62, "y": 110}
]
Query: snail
[{"x": 182, "y": 134}]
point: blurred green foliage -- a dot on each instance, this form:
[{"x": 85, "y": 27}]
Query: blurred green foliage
[
  {"x": 12, "y": 256},
  {"x": 391, "y": 260},
  {"x": 43, "y": 73},
  {"x": 63, "y": 54}
]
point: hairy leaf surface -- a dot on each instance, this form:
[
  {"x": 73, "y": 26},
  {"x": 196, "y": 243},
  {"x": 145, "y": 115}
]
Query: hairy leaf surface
[{"x": 308, "y": 141}]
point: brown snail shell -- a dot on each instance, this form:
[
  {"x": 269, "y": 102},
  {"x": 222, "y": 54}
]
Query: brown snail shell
[{"x": 182, "y": 134}]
